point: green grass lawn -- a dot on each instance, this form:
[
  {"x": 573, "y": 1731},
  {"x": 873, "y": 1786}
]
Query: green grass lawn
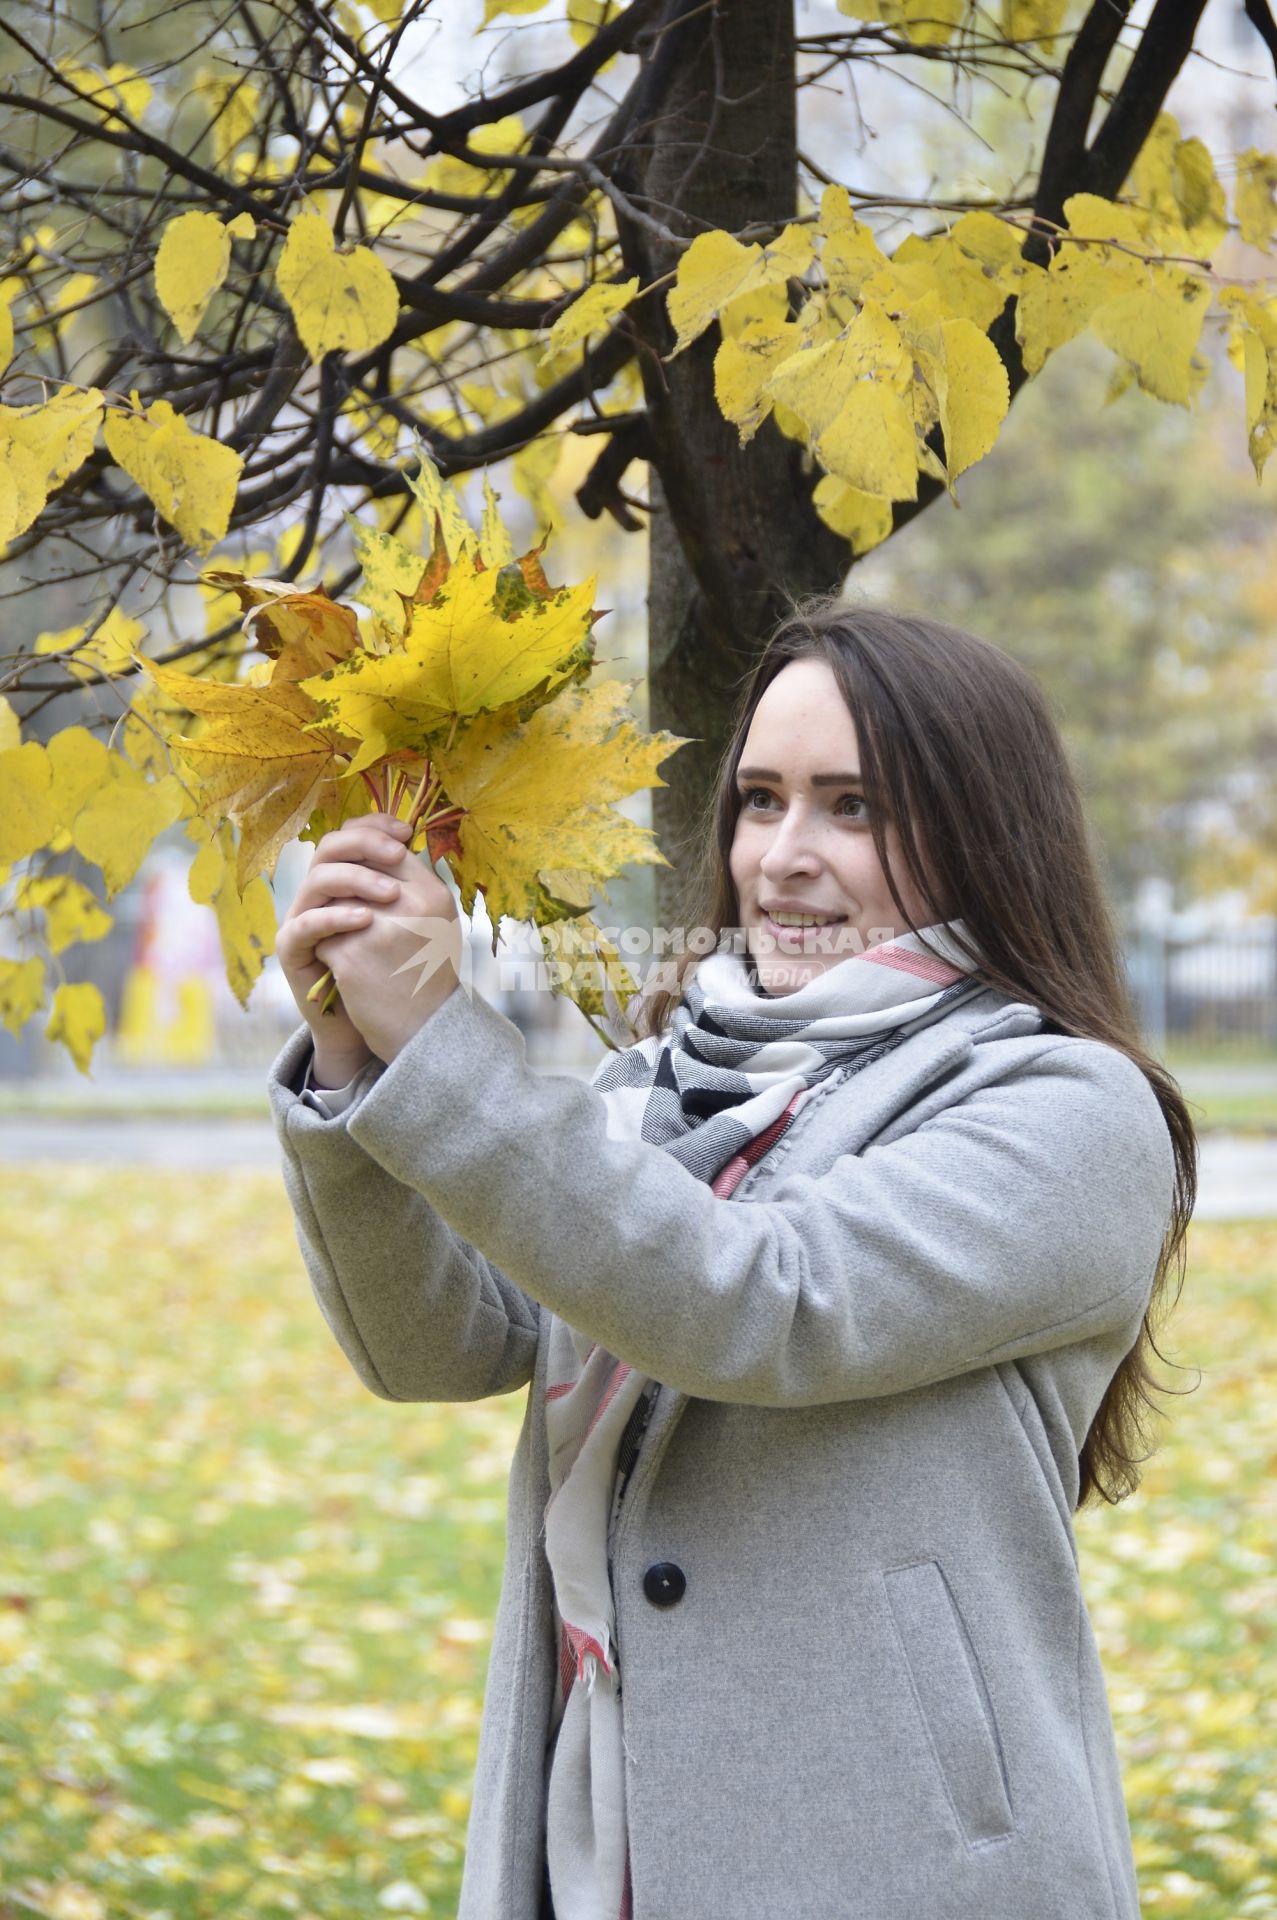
[{"x": 245, "y": 1606}]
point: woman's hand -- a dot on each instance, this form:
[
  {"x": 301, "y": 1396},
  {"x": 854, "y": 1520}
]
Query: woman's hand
[{"x": 391, "y": 978}]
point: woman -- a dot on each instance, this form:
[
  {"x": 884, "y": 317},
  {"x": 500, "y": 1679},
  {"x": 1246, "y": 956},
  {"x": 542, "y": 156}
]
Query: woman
[{"x": 835, "y": 1295}]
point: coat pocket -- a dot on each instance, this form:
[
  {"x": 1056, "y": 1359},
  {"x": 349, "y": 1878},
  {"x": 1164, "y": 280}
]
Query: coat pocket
[{"x": 952, "y": 1698}]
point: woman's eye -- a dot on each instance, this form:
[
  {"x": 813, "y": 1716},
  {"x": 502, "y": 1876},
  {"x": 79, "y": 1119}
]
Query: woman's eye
[
  {"x": 755, "y": 798},
  {"x": 855, "y": 800}
]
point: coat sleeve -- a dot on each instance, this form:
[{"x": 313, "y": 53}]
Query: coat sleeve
[
  {"x": 419, "y": 1313},
  {"x": 1027, "y": 1215}
]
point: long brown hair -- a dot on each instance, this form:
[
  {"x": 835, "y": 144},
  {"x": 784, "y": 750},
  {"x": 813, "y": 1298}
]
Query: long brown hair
[{"x": 959, "y": 749}]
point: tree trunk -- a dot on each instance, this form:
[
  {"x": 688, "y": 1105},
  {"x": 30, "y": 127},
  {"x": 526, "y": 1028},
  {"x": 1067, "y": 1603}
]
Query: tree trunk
[{"x": 734, "y": 537}]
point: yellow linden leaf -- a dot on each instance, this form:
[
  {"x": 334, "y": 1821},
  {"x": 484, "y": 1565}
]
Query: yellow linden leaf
[
  {"x": 817, "y": 382},
  {"x": 435, "y": 495},
  {"x": 973, "y": 395},
  {"x": 6, "y": 329},
  {"x": 1174, "y": 181},
  {"x": 71, "y": 912},
  {"x": 491, "y": 8},
  {"x": 1156, "y": 331},
  {"x": 191, "y": 478},
  {"x": 977, "y": 265},
  {"x": 39, "y": 446},
  {"x": 10, "y": 730},
  {"x": 458, "y": 657},
  {"x": 496, "y": 549},
  {"x": 870, "y": 442},
  {"x": 716, "y": 270},
  {"x": 79, "y": 768},
  {"x": 27, "y": 817},
  {"x": 235, "y": 111},
  {"x": 926, "y": 23},
  {"x": 448, "y": 174},
  {"x": 109, "y": 651},
  {"x": 1037, "y": 21},
  {"x": 537, "y": 796},
  {"x": 193, "y": 259},
  {"x": 862, "y": 518},
  {"x": 116, "y": 830},
  {"x": 744, "y": 363},
  {"x": 588, "y": 314},
  {"x": 21, "y": 992},
  {"x": 1255, "y": 197},
  {"x": 1255, "y": 338},
  {"x": 338, "y": 300},
  {"x": 242, "y": 227},
  {"x": 114, "y": 86},
  {"x": 78, "y": 1019},
  {"x": 1055, "y": 306}
]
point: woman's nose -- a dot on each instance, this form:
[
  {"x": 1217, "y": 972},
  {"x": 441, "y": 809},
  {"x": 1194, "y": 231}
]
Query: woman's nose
[{"x": 790, "y": 849}]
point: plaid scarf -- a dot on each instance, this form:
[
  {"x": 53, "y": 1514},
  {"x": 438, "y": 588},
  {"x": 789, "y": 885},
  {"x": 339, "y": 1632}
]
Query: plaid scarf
[{"x": 715, "y": 1091}]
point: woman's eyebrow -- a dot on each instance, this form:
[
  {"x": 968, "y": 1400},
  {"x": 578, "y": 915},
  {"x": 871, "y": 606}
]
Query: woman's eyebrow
[{"x": 817, "y": 779}]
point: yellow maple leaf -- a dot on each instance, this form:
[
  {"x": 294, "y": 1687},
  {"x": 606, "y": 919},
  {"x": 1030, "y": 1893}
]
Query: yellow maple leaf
[
  {"x": 537, "y": 796},
  {"x": 435, "y": 495},
  {"x": 1255, "y": 197},
  {"x": 391, "y": 572},
  {"x": 77, "y": 1018},
  {"x": 21, "y": 992},
  {"x": 253, "y": 762},
  {"x": 716, "y": 269},
  {"x": 191, "y": 478},
  {"x": 589, "y": 313},
  {"x": 191, "y": 263},
  {"x": 458, "y": 657},
  {"x": 496, "y": 549},
  {"x": 70, "y": 911},
  {"x": 345, "y": 301},
  {"x": 39, "y": 446},
  {"x": 299, "y": 629}
]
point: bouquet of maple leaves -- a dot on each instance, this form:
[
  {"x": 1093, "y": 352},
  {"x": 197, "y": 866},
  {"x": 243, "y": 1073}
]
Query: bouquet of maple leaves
[{"x": 467, "y": 713}]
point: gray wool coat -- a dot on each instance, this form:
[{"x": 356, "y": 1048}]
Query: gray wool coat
[{"x": 879, "y": 1695}]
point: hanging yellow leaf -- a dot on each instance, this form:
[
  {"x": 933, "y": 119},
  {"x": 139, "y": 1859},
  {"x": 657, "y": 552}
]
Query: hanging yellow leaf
[
  {"x": 191, "y": 263},
  {"x": 1255, "y": 344},
  {"x": 447, "y": 174},
  {"x": 537, "y": 796},
  {"x": 533, "y": 467},
  {"x": 40, "y": 446},
  {"x": 116, "y": 829},
  {"x": 115, "y": 86},
  {"x": 588, "y": 314},
  {"x": 300, "y": 629},
  {"x": 1255, "y": 197},
  {"x": 1056, "y": 305},
  {"x": 491, "y": 8},
  {"x": 1035, "y": 21},
  {"x": 235, "y": 111},
  {"x": 338, "y": 300},
  {"x": 870, "y": 442},
  {"x": 850, "y": 255},
  {"x": 817, "y": 382},
  {"x": 10, "y": 730},
  {"x": 977, "y": 265},
  {"x": 965, "y": 372},
  {"x": 459, "y": 657},
  {"x": 110, "y": 651},
  {"x": 21, "y": 992},
  {"x": 1174, "y": 182},
  {"x": 6, "y": 328},
  {"x": 862, "y": 518},
  {"x": 191, "y": 478},
  {"x": 70, "y": 911},
  {"x": 587, "y": 968},
  {"x": 926, "y": 23},
  {"x": 1156, "y": 332},
  {"x": 27, "y": 817},
  {"x": 743, "y": 365},
  {"x": 716, "y": 270},
  {"x": 77, "y": 1019},
  {"x": 245, "y": 916},
  {"x": 496, "y": 549}
]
